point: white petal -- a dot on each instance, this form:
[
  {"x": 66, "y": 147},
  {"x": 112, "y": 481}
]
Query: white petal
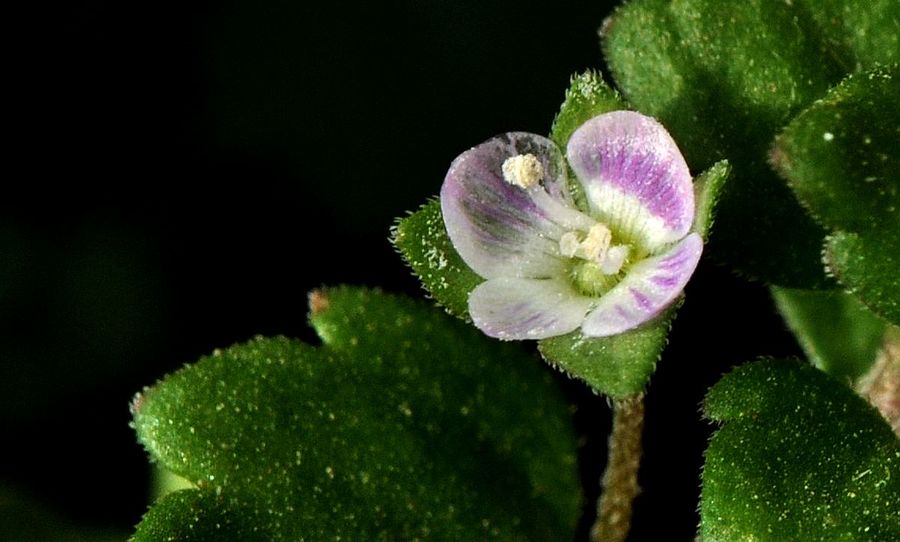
[
  {"x": 634, "y": 176},
  {"x": 649, "y": 287},
  {"x": 517, "y": 308},
  {"x": 498, "y": 228}
]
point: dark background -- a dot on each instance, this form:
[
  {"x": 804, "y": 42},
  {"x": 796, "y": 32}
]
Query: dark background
[{"x": 183, "y": 174}]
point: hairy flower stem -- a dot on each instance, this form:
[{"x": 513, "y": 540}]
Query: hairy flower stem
[{"x": 619, "y": 483}]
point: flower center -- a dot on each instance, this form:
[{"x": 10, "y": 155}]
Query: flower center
[
  {"x": 599, "y": 262},
  {"x": 596, "y": 262}
]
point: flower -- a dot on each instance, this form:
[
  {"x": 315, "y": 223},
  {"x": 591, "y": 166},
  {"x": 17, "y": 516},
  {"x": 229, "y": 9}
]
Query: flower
[{"x": 606, "y": 253}]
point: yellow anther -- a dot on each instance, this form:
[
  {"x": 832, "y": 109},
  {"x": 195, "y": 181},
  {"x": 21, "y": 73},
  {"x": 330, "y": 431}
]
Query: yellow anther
[{"x": 523, "y": 170}]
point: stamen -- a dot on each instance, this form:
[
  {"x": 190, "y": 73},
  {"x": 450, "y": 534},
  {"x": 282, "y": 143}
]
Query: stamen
[
  {"x": 568, "y": 244},
  {"x": 596, "y": 243},
  {"x": 592, "y": 248},
  {"x": 615, "y": 258},
  {"x": 523, "y": 170}
]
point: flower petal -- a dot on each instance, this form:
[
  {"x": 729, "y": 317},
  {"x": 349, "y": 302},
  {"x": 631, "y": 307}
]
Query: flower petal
[
  {"x": 500, "y": 229},
  {"x": 634, "y": 176},
  {"x": 650, "y": 286},
  {"x": 516, "y": 308}
]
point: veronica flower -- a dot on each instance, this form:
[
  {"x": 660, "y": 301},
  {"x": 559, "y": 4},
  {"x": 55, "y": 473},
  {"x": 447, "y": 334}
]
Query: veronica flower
[{"x": 606, "y": 253}]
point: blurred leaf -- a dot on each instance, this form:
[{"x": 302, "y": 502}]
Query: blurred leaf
[
  {"x": 799, "y": 456},
  {"x": 870, "y": 269},
  {"x": 587, "y": 96},
  {"x": 840, "y": 156},
  {"x": 422, "y": 240},
  {"x": 723, "y": 81},
  {"x": 839, "y": 335},
  {"x": 618, "y": 366},
  {"x": 860, "y": 34},
  {"x": 405, "y": 424},
  {"x": 22, "y": 519}
]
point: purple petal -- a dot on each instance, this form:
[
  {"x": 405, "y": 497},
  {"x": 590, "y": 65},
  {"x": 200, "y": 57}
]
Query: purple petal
[
  {"x": 635, "y": 177},
  {"x": 516, "y": 308},
  {"x": 650, "y": 286},
  {"x": 500, "y": 229}
]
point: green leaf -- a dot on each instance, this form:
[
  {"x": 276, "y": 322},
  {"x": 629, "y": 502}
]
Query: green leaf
[
  {"x": 870, "y": 269},
  {"x": 840, "y": 156},
  {"x": 200, "y": 516},
  {"x": 422, "y": 240},
  {"x": 404, "y": 424},
  {"x": 708, "y": 188},
  {"x": 839, "y": 335},
  {"x": 799, "y": 457},
  {"x": 587, "y": 96},
  {"x": 618, "y": 366},
  {"x": 860, "y": 34},
  {"x": 723, "y": 81}
]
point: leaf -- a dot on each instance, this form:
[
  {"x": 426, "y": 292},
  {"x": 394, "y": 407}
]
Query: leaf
[
  {"x": 404, "y": 424},
  {"x": 723, "y": 81},
  {"x": 840, "y": 158},
  {"x": 839, "y": 335},
  {"x": 799, "y": 456},
  {"x": 860, "y": 34},
  {"x": 840, "y": 155},
  {"x": 422, "y": 240},
  {"x": 587, "y": 96},
  {"x": 618, "y": 366},
  {"x": 199, "y": 516},
  {"x": 870, "y": 269}
]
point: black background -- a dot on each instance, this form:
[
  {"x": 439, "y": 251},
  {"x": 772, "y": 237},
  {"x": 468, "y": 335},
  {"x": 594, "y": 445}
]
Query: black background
[{"x": 183, "y": 174}]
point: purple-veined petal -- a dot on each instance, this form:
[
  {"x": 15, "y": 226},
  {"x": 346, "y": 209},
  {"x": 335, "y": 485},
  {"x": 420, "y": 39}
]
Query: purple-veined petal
[
  {"x": 650, "y": 286},
  {"x": 517, "y": 308},
  {"x": 634, "y": 176},
  {"x": 500, "y": 229}
]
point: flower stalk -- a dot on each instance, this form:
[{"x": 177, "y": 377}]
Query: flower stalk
[{"x": 619, "y": 485}]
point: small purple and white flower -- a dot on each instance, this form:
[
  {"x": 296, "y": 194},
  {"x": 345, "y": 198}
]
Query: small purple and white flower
[{"x": 606, "y": 253}]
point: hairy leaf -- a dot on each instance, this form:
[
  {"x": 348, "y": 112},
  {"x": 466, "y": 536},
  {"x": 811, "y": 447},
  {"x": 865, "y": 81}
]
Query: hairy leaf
[
  {"x": 723, "y": 81},
  {"x": 405, "y": 424},
  {"x": 799, "y": 456}
]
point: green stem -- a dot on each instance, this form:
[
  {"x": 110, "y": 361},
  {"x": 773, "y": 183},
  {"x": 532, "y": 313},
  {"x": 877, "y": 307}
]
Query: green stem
[{"x": 619, "y": 483}]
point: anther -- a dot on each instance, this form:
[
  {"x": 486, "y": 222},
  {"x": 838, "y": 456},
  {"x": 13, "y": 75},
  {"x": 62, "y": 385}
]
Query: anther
[{"x": 523, "y": 170}]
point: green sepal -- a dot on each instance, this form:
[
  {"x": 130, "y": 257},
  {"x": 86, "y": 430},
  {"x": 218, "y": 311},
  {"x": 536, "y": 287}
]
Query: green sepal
[
  {"x": 617, "y": 366},
  {"x": 723, "y": 81},
  {"x": 838, "y": 334},
  {"x": 588, "y": 95},
  {"x": 404, "y": 424},
  {"x": 799, "y": 456},
  {"x": 422, "y": 240},
  {"x": 708, "y": 188},
  {"x": 869, "y": 267}
]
